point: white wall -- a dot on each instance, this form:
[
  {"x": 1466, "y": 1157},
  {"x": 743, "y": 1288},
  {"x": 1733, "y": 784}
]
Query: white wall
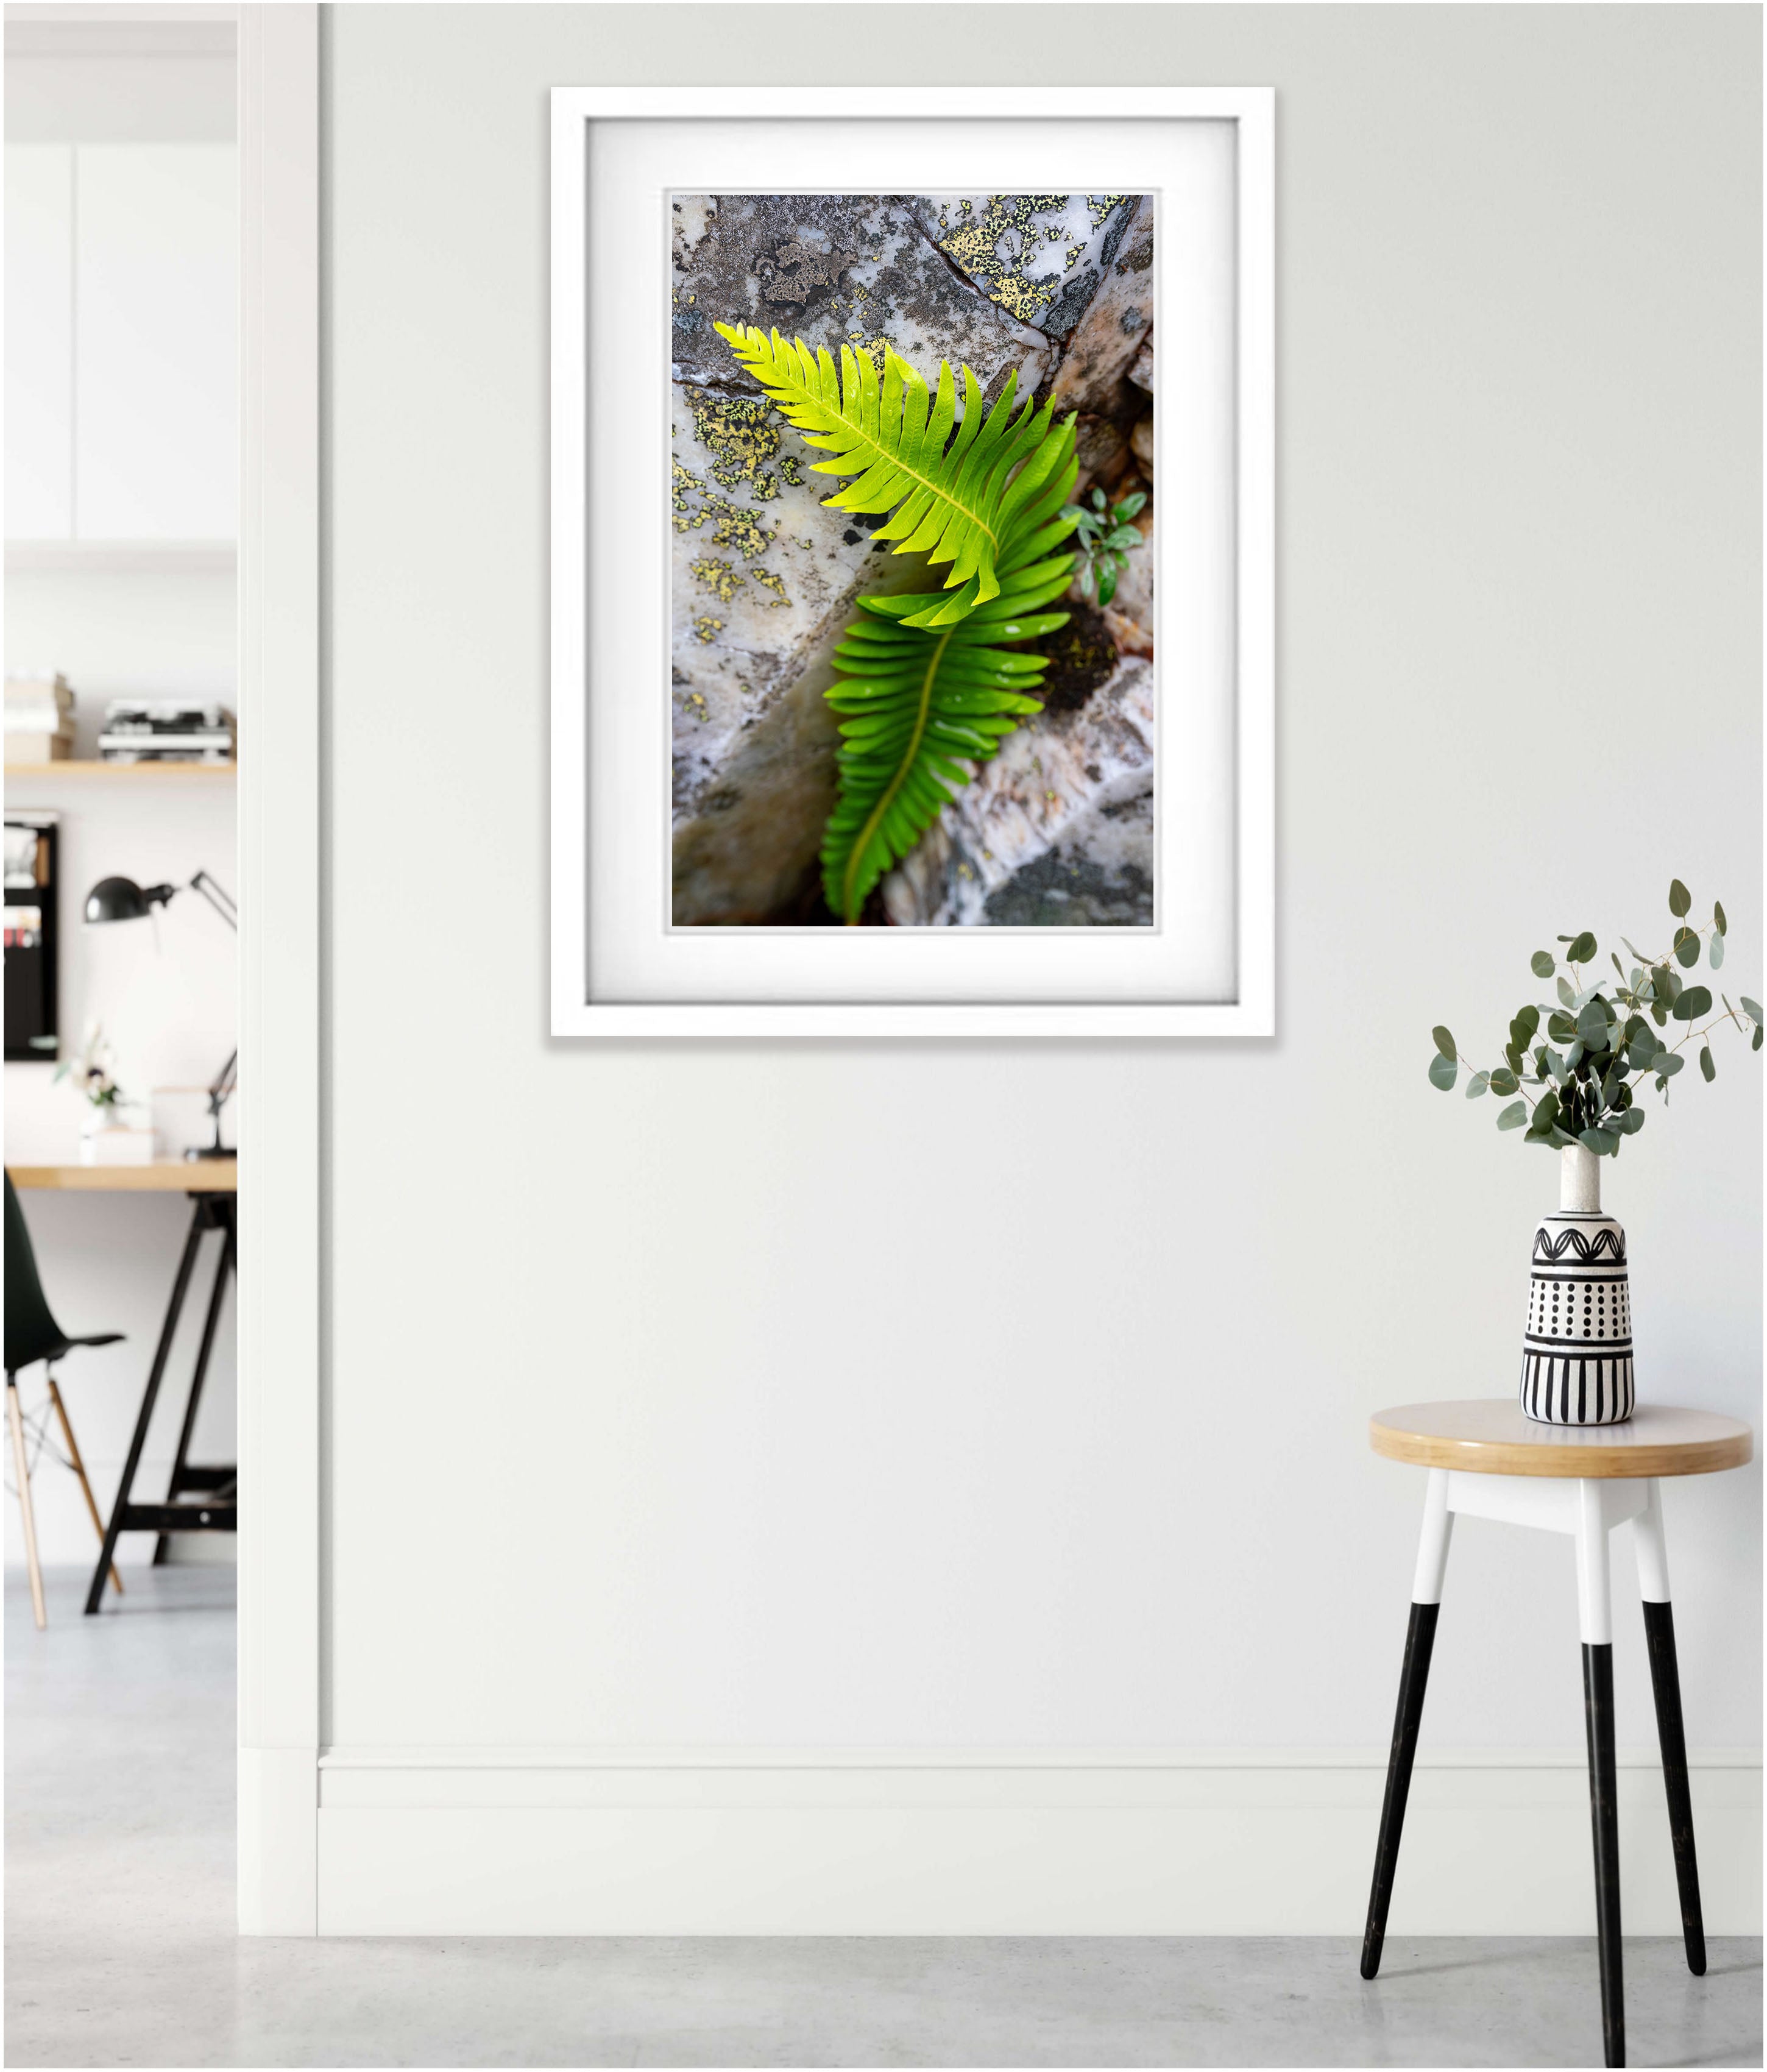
[{"x": 908, "y": 1396}]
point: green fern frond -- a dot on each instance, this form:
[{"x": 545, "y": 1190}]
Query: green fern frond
[
  {"x": 919, "y": 703},
  {"x": 970, "y": 501}
]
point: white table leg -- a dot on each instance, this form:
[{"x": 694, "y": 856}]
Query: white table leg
[
  {"x": 1432, "y": 1541},
  {"x": 1413, "y": 1678}
]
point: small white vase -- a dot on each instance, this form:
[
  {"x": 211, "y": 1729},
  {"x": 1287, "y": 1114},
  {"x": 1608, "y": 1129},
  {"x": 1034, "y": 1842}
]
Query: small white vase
[{"x": 1576, "y": 1353}]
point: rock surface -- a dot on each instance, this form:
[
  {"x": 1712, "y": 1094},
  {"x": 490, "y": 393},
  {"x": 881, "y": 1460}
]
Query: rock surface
[
  {"x": 1065, "y": 808},
  {"x": 1040, "y": 257},
  {"x": 764, "y": 577},
  {"x": 829, "y": 268},
  {"x": 1118, "y": 321}
]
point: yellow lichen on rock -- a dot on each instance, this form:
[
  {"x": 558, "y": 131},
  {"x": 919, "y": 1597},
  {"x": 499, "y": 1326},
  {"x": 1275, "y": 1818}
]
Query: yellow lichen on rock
[
  {"x": 742, "y": 434},
  {"x": 724, "y": 579}
]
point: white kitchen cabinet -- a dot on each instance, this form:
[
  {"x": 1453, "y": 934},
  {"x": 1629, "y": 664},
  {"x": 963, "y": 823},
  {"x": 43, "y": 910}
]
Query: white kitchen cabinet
[
  {"x": 121, "y": 327},
  {"x": 155, "y": 328},
  {"x": 39, "y": 341}
]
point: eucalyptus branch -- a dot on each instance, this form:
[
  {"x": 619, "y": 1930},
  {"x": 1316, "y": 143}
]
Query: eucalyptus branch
[{"x": 1604, "y": 1039}]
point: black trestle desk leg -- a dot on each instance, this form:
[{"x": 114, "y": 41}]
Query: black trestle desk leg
[
  {"x": 1604, "y": 1822},
  {"x": 156, "y": 1374},
  {"x": 175, "y": 1488},
  {"x": 1419, "y": 1640},
  {"x": 1659, "y": 1633}
]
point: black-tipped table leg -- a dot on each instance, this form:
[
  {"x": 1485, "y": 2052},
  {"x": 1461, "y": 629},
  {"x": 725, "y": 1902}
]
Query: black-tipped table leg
[
  {"x": 1419, "y": 1640},
  {"x": 1604, "y": 1824},
  {"x": 1659, "y": 1633}
]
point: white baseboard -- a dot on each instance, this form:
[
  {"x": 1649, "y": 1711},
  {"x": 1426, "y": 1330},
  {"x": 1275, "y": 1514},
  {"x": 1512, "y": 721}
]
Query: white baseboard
[
  {"x": 277, "y": 1821},
  {"x": 443, "y": 1842}
]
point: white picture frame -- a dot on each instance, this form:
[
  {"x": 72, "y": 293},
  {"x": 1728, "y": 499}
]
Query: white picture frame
[{"x": 617, "y": 968}]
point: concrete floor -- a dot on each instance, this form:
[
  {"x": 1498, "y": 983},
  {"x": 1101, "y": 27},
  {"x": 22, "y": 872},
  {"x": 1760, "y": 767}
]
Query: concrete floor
[{"x": 121, "y": 1949}]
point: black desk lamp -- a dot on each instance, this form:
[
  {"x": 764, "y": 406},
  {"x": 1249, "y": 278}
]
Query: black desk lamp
[{"x": 122, "y": 899}]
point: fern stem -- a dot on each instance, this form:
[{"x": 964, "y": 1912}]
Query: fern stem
[{"x": 856, "y": 854}]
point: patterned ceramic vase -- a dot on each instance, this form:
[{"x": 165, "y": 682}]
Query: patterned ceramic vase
[{"x": 1576, "y": 1354}]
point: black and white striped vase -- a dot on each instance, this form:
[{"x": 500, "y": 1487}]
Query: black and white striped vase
[{"x": 1577, "y": 1355}]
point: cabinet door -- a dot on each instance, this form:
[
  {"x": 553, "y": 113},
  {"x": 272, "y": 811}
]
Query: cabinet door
[
  {"x": 156, "y": 290},
  {"x": 39, "y": 341}
]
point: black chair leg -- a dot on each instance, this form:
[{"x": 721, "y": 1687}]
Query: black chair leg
[
  {"x": 1659, "y": 1633},
  {"x": 1604, "y": 1821},
  {"x": 1420, "y": 1639}
]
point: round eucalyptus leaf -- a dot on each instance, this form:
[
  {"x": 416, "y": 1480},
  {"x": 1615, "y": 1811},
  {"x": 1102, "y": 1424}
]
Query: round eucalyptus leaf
[
  {"x": 1504, "y": 1082},
  {"x": 1444, "y": 1042},
  {"x": 1479, "y": 1083},
  {"x": 1751, "y": 1007},
  {"x": 1708, "y": 1071},
  {"x": 1443, "y": 1072},
  {"x": 1686, "y": 948},
  {"x": 1755, "y": 1044},
  {"x": 1600, "y": 1141},
  {"x": 1561, "y": 1028},
  {"x": 1715, "y": 949},
  {"x": 1680, "y": 898},
  {"x": 1566, "y": 991},
  {"x": 1718, "y": 920},
  {"x": 1666, "y": 1063},
  {"x": 1592, "y": 1025},
  {"x": 1582, "y": 950},
  {"x": 1542, "y": 963},
  {"x": 1513, "y": 1117},
  {"x": 1631, "y": 1122},
  {"x": 1695, "y": 1001}
]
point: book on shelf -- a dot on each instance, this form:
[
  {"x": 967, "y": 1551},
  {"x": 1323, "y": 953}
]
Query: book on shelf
[
  {"x": 38, "y": 704},
  {"x": 39, "y": 747}
]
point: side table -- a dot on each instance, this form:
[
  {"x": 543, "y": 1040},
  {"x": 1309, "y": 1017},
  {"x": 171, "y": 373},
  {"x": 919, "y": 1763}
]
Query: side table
[{"x": 1488, "y": 1460}]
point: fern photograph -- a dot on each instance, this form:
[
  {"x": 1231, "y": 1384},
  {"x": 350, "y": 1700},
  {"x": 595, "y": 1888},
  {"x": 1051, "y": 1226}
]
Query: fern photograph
[{"x": 912, "y": 501}]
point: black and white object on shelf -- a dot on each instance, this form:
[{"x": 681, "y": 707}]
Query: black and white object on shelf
[{"x": 165, "y": 730}]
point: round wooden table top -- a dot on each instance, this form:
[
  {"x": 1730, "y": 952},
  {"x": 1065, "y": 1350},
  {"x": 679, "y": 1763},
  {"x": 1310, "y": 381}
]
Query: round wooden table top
[{"x": 1490, "y": 1437}]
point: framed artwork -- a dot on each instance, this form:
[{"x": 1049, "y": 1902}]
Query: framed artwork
[
  {"x": 912, "y": 562},
  {"x": 33, "y": 1026}
]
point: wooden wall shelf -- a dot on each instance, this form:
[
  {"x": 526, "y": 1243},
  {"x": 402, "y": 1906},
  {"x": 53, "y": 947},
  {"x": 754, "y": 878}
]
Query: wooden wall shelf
[{"x": 79, "y": 769}]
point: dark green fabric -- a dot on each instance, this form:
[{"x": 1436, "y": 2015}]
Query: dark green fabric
[{"x": 32, "y": 1333}]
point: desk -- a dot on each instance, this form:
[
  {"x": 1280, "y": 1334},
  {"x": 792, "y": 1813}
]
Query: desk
[{"x": 211, "y": 1186}]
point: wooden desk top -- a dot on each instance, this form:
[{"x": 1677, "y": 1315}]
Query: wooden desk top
[
  {"x": 165, "y": 1176},
  {"x": 1496, "y": 1438}
]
